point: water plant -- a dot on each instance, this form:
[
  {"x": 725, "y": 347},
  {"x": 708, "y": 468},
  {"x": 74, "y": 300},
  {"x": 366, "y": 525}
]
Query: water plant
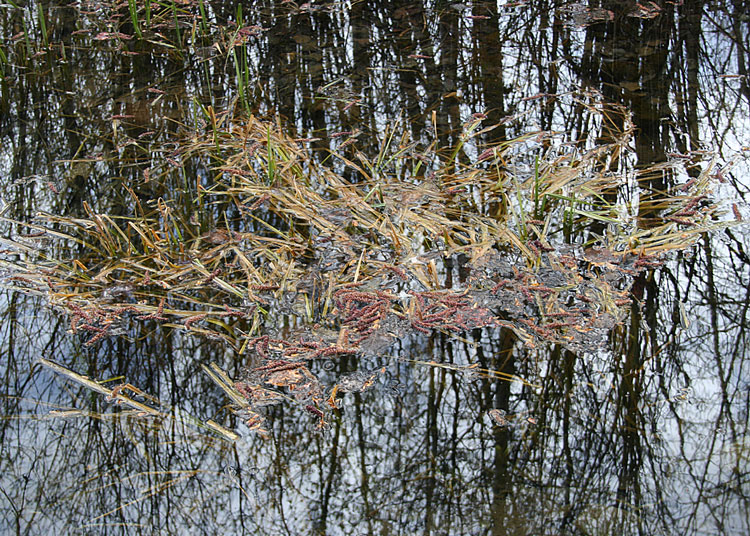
[
  {"x": 291, "y": 237},
  {"x": 3, "y": 64},
  {"x": 42, "y": 25},
  {"x": 133, "y": 9}
]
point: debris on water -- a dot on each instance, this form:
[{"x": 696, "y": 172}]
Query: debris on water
[
  {"x": 499, "y": 417},
  {"x": 119, "y": 292},
  {"x": 349, "y": 267},
  {"x": 358, "y": 381}
]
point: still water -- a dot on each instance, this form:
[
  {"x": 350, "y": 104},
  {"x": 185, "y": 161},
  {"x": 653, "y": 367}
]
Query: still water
[{"x": 644, "y": 432}]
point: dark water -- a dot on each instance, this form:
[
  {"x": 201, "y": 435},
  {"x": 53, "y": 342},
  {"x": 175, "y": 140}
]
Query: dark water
[{"x": 645, "y": 436}]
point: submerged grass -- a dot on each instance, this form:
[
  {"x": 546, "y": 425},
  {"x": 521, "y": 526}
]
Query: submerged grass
[
  {"x": 119, "y": 395},
  {"x": 552, "y": 242}
]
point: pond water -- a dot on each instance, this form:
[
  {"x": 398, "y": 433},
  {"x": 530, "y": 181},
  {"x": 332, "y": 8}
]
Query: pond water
[{"x": 640, "y": 426}]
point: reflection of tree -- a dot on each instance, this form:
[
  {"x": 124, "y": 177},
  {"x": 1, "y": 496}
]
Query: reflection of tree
[
  {"x": 740, "y": 27},
  {"x": 487, "y": 64}
]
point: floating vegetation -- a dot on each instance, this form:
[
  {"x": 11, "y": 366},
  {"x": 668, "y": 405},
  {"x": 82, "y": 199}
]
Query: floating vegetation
[
  {"x": 357, "y": 252},
  {"x": 149, "y": 407}
]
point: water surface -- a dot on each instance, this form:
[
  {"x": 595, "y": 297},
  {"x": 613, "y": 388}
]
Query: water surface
[{"x": 644, "y": 433}]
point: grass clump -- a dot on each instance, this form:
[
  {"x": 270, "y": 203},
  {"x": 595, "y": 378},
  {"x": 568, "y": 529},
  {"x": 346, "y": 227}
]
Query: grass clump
[{"x": 358, "y": 250}]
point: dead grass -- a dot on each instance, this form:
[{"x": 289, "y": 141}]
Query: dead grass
[{"x": 364, "y": 254}]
